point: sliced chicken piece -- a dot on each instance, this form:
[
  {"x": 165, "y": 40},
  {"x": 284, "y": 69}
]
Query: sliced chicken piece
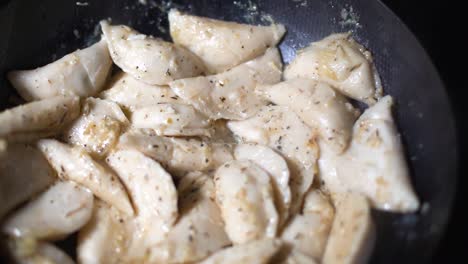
[
  {"x": 172, "y": 120},
  {"x": 30, "y": 251},
  {"x": 296, "y": 257},
  {"x": 374, "y": 164},
  {"x": 109, "y": 237},
  {"x": 281, "y": 129},
  {"x": 149, "y": 59},
  {"x": 341, "y": 62},
  {"x": 221, "y": 44},
  {"x": 200, "y": 230},
  {"x": 98, "y": 128},
  {"x": 231, "y": 94},
  {"x": 150, "y": 187},
  {"x": 38, "y": 119},
  {"x": 290, "y": 255},
  {"x": 245, "y": 195},
  {"x": 319, "y": 106},
  {"x": 3, "y": 146},
  {"x": 258, "y": 251},
  {"x": 54, "y": 214},
  {"x": 112, "y": 237},
  {"x": 277, "y": 168},
  {"x": 73, "y": 163},
  {"x": 352, "y": 235},
  {"x": 317, "y": 202},
  {"x": 132, "y": 94},
  {"x": 178, "y": 155},
  {"x": 82, "y": 73},
  {"x": 24, "y": 172},
  {"x": 308, "y": 232}
]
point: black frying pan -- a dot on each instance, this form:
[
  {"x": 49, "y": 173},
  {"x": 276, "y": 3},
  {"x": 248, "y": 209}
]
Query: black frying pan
[{"x": 32, "y": 33}]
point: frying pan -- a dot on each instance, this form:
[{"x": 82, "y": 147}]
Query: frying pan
[{"x": 34, "y": 33}]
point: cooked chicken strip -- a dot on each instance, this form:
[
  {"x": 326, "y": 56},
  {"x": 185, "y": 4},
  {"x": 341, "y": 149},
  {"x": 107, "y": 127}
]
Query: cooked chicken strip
[
  {"x": 150, "y": 187},
  {"x": 73, "y": 163},
  {"x": 352, "y": 235},
  {"x": 172, "y": 120},
  {"x": 374, "y": 164},
  {"x": 109, "y": 237},
  {"x": 82, "y": 73},
  {"x": 200, "y": 229},
  {"x": 281, "y": 129},
  {"x": 3, "y": 146},
  {"x": 149, "y": 59},
  {"x": 38, "y": 119},
  {"x": 24, "y": 172},
  {"x": 296, "y": 257},
  {"x": 317, "y": 202},
  {"x": 277, "y": 168},
  {"x": 245, "y": 195},
  {"x": 29, "y": 251},
  {"x": 178, "y": 155},
  {"x": 221, "y": 44},
  {"x": 341, "y": 62},
  {"x": 258, "y": 251},
  {"x": 132, "y": 94},
  {"x": 98, "y": 128},
  {"x": 61, "y": 210},
  {"x": 231, "y": 94},
  {"x": 308, "y": 232},
  {"x": 290, "y": 255},
  {"x": 319, "y": 106},
  {"x": 112, "y": 237}
]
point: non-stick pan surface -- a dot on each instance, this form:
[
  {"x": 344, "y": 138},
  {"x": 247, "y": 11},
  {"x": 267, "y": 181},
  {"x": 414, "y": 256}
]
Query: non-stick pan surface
[{"x": 35, "y": 32}]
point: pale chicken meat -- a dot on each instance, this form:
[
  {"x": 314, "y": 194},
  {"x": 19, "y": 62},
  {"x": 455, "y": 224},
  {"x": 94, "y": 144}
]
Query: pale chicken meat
[
  {"x": 221, "y": 44},
  {"x": 341, "y": 62},
  {"x": 132, "y": 94},
  {"x": 296, "y": 257},
  {"x": 231, "y": 94},
  {"x": 319, "y": 106},
  {"x": 24, "y": 172},
  {"x": 30, "y": 251},
  {"x": 308, "y": 232},
  {"x": 111, "y": 237},
  {"x": 281, "y": 129},
  {"x": 82, "y": 73},
  {"x": 200, "y": 230},
  {"x": 201, "y": 150},
  {"x": 98, "y": 128},
  {"x": 38, "y": 119},
  {"x": 290, "y": 255},
  {"x": 245, "y": 196},
  {"x": 353, "y": 233},
  {"x": 258, "y": 251},
  {"x": 374, "y": 164},
  {"x": 277, "y": 168},
  {"x": 3, "y": 147},
  {"x": 318, "y": 202},
  {"x": 73, "y": 163},
  {"x": 150, "y": 188},
  {"x": 172, "y": 120},
  {"x": 61, "y": 210},
  {"x": 149, "y": 59},
  {"x": 178, "y": 155}
]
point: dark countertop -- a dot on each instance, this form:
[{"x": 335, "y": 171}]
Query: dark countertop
[{"x": 435, "y": 24}]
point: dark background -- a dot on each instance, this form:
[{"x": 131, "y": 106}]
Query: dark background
[{"x": 441, "y": 28}]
